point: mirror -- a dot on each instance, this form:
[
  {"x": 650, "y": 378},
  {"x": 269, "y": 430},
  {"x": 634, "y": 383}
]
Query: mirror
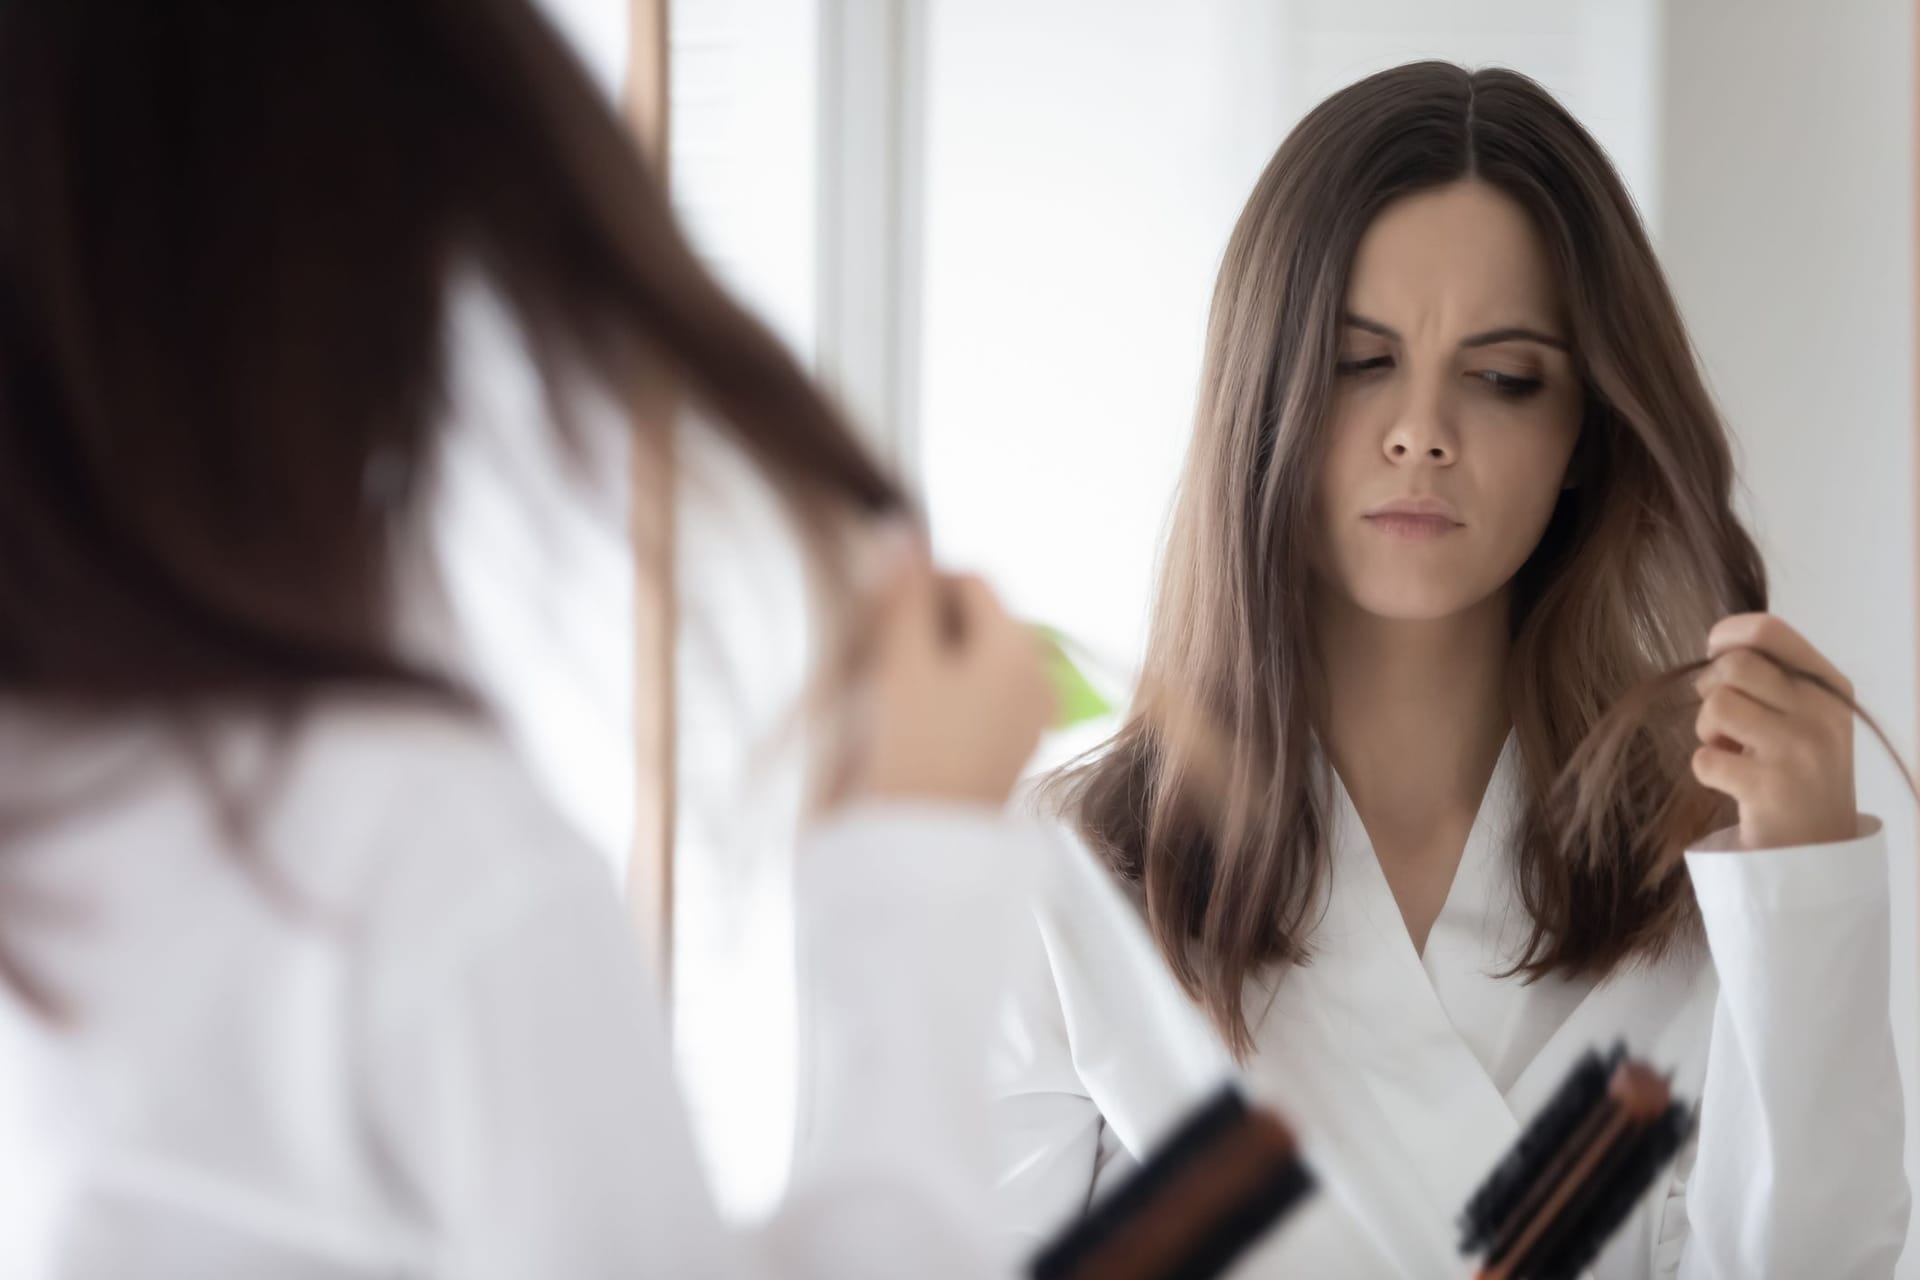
[{"x": 995, "y": 227}]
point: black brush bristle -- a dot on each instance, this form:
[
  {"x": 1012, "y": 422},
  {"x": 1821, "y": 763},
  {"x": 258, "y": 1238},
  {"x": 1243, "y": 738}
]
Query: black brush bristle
[
  {"x": 1582, "y": 1090},
  {"x": 1597, "y": 1213},
  {"x": 1188, "y": 1143}
]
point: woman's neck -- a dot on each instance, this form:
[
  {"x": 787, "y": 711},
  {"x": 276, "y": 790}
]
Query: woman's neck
[{"x": 1417, "y": 711}]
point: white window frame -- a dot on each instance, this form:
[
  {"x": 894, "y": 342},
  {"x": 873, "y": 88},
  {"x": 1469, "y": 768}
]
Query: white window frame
[{"x": 872, "y": 137}]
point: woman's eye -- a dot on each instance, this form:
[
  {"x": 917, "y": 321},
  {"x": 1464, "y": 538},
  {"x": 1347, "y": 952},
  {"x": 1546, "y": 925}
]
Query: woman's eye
[
  {"x": 1510, "y": 386},
  {"x": 1371, "y": 364}
]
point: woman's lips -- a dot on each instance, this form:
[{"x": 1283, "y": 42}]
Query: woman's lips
[
  {"x": 1398, "y": 524},
  {"x": 1416, "y": 518}
]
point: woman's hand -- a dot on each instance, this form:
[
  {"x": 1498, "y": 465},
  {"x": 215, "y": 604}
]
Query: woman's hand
[
  {"x": 956, "y": 695},
  {"x": 1779, "y": 745}
]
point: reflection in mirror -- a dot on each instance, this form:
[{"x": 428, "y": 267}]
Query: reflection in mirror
[{"x": 1485, "y": 413}]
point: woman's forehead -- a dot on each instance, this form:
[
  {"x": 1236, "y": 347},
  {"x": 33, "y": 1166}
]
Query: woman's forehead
[{"x": 1464, "y": 253}]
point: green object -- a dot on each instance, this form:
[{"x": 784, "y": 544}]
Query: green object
[{"x": 1079, "y": 700}]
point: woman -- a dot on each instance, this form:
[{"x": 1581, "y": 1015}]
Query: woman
[
  {"x": 1455, "y": 490},
  {"x": 300, "y": 975}
]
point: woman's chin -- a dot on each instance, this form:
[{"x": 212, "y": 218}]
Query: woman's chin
[{"x": 1416, "y": 599}]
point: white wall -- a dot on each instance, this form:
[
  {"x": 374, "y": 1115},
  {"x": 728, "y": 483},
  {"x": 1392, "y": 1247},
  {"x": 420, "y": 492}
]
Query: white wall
[
  {"x": 1787, "y": 229},
  {"x": 1084, "y": 163}
]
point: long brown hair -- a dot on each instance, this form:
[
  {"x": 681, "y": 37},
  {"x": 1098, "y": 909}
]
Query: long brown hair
[
  {"x": 1214, "y": 796},
  {"x": 227, "y": 234}
]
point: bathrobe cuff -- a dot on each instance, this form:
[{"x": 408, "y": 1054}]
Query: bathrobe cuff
[{"x": 1793, "y": 878}]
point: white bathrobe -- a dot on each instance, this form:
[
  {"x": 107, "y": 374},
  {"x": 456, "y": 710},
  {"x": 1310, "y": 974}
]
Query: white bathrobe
[
  {"x": 415, "y": 1039},
  {"x": 1408, "y": 1074},
  {"x": 424, "y": 1045}
]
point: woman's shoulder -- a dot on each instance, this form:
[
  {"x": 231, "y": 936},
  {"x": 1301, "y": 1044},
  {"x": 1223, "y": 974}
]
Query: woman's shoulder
[
  {"x": 1102, "y": 966},
  {"x": 350, "y": 799},
  {"x": 406, "y": 752},
  {"x": 1072, "y": 862},
  {"x": 398, "y": 793},
  {"x": 377, "y": 838}
]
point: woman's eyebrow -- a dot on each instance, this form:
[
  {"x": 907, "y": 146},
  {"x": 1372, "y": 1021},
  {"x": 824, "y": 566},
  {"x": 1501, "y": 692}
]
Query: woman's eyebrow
[{"x": 1516, "y": 333}]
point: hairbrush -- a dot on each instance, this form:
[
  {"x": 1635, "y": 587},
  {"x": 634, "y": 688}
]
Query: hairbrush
[
  {"x": 1217, "y": 1185},
  {"x": 1576, "y": 1171}
]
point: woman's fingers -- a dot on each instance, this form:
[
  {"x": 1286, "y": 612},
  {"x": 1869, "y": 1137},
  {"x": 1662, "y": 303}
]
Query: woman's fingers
[
  {"x": 1770, "y": 636},
  {"x": 1781, "y": 747},
  {"x": 1728, "y": 772},
  {"x": 957, "y": 695},
  {"x": 1729, "y": 718},
  {"x": 1754, "y": 674}
]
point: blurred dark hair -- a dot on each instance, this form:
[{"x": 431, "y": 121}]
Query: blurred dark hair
[{"x": 227, "y": 234}]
